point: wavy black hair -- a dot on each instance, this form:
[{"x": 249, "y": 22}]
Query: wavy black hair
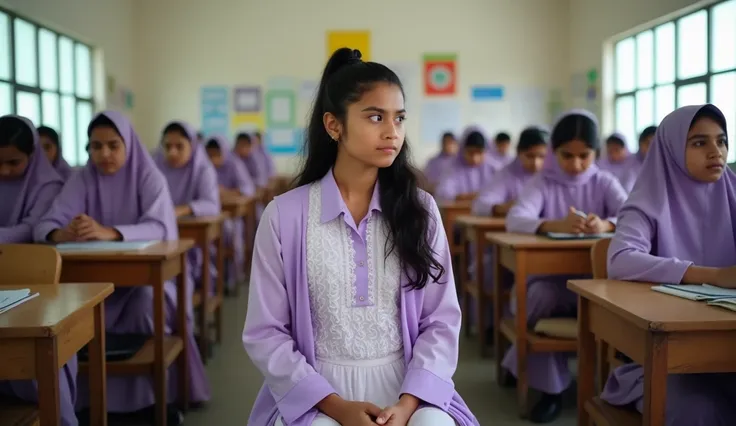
[
  {"x": 345, "y": 79},
  {"x": 576, "y": 126}
]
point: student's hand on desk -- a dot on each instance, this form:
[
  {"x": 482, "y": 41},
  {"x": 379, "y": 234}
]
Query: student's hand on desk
[
  {"x": 573, "y": 223},
  {"x": 501, "y": 210},
  {"x": 400, "y": 413},
  {"x": 183, "y": 211},
  {"x": 726, "y": 277},
  {"x": 596, "y": 225},
  {"x": 63, "y": 235},
  {"x": 87, "y": 229}
]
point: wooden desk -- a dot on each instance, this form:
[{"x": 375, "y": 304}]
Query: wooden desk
[
  {"x": 245, "y": 208},
  {"x": 475, "y": 227},
  {"x": 526, "y": 255},
  {"x": 204, "y": 231},
  {"x": 152, "y": 266},
  {"x": 665, "y": 334},
  {"x": 449, "y": 213},
  {"x": 41, "y": 335}
]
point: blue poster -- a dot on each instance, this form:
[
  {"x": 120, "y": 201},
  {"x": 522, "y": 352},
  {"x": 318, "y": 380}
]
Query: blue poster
[
  {"x": 284, "y": 141},
  {"x": 215, "y": 110},
  {"x": 487, "y": 93}
]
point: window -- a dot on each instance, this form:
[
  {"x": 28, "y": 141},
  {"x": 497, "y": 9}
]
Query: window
[
  {"x": 46, "y": 76},
  {"x": 689, "y": 60}
]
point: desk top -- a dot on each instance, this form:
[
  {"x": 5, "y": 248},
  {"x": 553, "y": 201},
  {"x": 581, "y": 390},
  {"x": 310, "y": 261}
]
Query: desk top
[
  {"x": 44, "y": 315},
  {"x": 456, "y": 205},
  {"x": 194, "y": 221},
  {"x": 540, "y": 242},
  {"x": 162, "y": 250},
  {"x": 654, "y": 311},
  {"x": 498, "y": 223},
  {"x": 235, "y": 201}
]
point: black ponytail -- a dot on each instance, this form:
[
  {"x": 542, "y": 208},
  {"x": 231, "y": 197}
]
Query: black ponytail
[{"x": 345, "y": 79}]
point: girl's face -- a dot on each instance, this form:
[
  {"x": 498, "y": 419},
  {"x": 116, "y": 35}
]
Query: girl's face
[
  {"x": 243, "y": 148},
  {"x": 178, "y": 149},
  {"x": 615, "y": 152},
  {"x": 373, "y": 132},
  {"x": 706, "y": 149},
  {"x": 474, "y": 156},
  {"x": 533, "y": 158},
  {"x": 49, "y": 148},
  {"x": 215, "y": 156},
  {"x": 449, "y": 146},
  {"x": 503, "y": 146},
  {"x": 107, "y": 150},
  {"x": 644, "y": 145},
  {"x": 574, "y": 157},
  {"x": 13, "y": 163}
]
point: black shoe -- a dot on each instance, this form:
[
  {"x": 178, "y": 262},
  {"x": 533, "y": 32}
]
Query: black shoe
[
  {"x": 547, "y": 410},
  {"x": 507, "y": 380}
]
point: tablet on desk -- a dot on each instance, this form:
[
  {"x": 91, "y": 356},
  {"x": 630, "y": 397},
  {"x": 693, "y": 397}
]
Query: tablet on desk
[
  {"x": 567, "y": 236},
  {"x": 104, "y": 246}
]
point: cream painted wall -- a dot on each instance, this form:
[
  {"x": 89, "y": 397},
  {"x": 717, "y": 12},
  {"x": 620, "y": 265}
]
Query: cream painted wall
[
  {"x": 184, "y": 44},
  {"x": 105, "y": 24}
]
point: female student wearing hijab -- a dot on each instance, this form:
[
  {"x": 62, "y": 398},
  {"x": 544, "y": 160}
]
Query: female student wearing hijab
[
  {"x": 120, "y": 195},
  {"x": 28, "y": 186},
  {"x": 245, "y": 149},
  {"x": 678, "y": 226},
  {"x": 50, "y": 142},
  {"x": 499, "y": 154},
  {"x": 263, "y": 157},
  {"x": 569, "y": 183},
  {"x": 471, "y": 170},
  {"x": 438, "y": 165},
  {"x": 352, "y": 314},
  {"x": 28, "y": 182},
  {"x": 192, "y": 182},
  {"x": 234, "y": 181}
]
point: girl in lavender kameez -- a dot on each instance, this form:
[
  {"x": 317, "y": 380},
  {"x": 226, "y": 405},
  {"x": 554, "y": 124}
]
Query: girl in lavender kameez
[
  {"x": 192, "y": 182},
  {"x": 569, "y": 181},
  {"x": 679, "y": 226},
  {"x": 471, "y": 170},
  {"x": 120, "y": 195},
  {"x": 499, "y": 154},
  {"x": 440, "y": 164},
  {"x": 28, "y": 186},
  {"x": 352, "y": 314},
  {"x": 234, "y": 181},
  {"x": 49, "y": 139},
  {"x": 245, "y": 149},
  {"x": 263, "y": 156}
]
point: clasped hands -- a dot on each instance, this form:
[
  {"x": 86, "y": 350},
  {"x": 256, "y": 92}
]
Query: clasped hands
[{"x": 84, "y": 228}]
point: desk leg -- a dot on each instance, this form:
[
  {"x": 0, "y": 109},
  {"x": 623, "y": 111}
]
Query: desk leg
[
  {"x": 586, "y": 360},
  {"x": 498, "y": 346},
  {"x": 47, "y": 376},
  {"x": 159, "y": 332},
  {"x": 481, "y": 303},
  {"x": 655, "y": 380},
  {"x": 204, "y": 313},
  {"x": 522, "y": 382},
  {"x": 183, "y": 301},
  {"x": 220, "y": 285},
  {"x": 97, "y": 370}
]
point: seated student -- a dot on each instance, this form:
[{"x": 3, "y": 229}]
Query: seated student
[
  {"x": 636, "y": 161},
  {"x": 470, "y": 172},
  {"x": 618, "y": 161},
  {"x": 438, "y": 166},
  {"x": 28, "y": 186},
  {"x": 51, "y": 146},
  {"x": 569, "y": 182},
  {"x": 263, "y": 156},
  {"x": 246, "y": 151},
  {"x": 497, "y": 198},
  {"x": 192, "y": 182},
  {"x": 28, "y": 182},
  {"x": 120, "y": 195},
  {"x": 352, "y": 314},
  {"x": 500, "y": 153},
  {"x": 234, "y": 180},
  {"x": 678, "y": 226}
]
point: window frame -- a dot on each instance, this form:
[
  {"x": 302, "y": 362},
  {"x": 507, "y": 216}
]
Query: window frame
[
  {"x": 16, "y": 87},
  {"x": 678, "y": 82}
]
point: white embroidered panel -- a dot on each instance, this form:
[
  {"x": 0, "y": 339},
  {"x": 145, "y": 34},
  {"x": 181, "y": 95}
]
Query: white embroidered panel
[{"x": 342, "y": 330}]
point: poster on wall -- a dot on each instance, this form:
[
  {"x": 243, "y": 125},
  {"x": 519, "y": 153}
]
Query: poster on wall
[
  {"x": 438, "y": 117},
  {"x": 246, "y": 99},
  {"x": 440, "y": 74},
  {"x": 279, "y": 112},
  {"x": 214, "y": 110},
  {"x": 354, "y": 39},
  {"x": 487, "y": 93}
]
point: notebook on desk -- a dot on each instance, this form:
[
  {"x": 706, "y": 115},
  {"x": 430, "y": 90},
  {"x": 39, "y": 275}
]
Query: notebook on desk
[
  {"x": 698, "y": 292},
  {"x": 9, "y": 299},
  {"x": 104, "y": 246},
  {"x": 567, "y": 236}
]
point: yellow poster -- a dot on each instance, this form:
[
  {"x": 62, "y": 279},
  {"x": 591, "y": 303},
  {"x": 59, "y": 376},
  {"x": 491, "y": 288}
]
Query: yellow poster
[
  {"x": 247, "y": 122},
  {"x": 360, "y": 40}
]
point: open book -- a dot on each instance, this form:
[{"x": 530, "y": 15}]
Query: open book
[
  {"x": 9, "y": 299},
  {"x": 712, "y": 295},
  {"x": 566, "y": 236},
  {"x": 104, "y": 246}
]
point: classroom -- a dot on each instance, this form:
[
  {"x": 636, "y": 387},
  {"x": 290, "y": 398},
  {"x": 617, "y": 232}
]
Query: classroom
[{"x": 537, "y": 227}]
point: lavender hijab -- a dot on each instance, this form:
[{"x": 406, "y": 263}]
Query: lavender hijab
[
  {"x": 21, "y": 195},
  {"x": 60, "y": 164},
  {"x": 703, "y": 214},
  {"x": 232, "y": 174},
  {"x": 183, "y": 181},
  {"x": 552, "y": 169},
  {"x": 137, "y": 192}
]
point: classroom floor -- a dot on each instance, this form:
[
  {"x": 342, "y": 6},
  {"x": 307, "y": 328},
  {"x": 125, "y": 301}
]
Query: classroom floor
[{"x": 235, "y": 383}]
